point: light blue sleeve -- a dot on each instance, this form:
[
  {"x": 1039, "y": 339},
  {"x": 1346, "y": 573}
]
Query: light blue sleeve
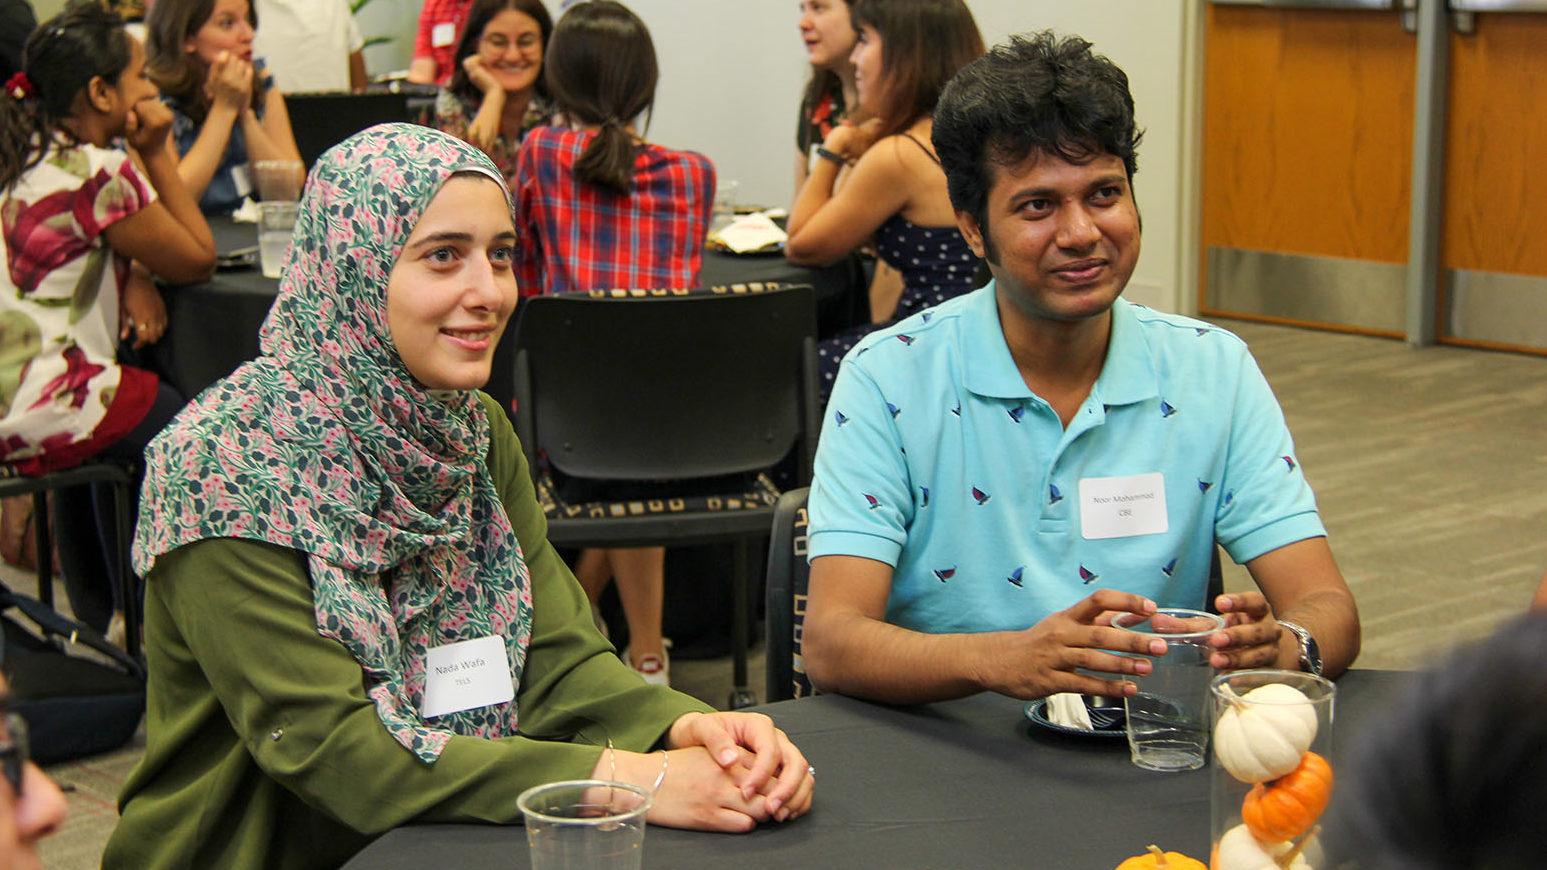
[
  {"x": 1267, "y": 502},
  {"x": 861, "y": 497}
]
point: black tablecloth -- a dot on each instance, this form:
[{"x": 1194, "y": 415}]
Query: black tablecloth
[
  {"x": 967, "y": 783},
  {"x": 841, "y": 298},
  {"x": 213, "y": 325}
]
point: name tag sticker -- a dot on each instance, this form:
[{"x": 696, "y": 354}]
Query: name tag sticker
[
  {"x": 466, "y": 675},
  {"x": 443, "y": 34},
  {"x": 1123, "y": 507},
  {"x": 242, "y": 179}
]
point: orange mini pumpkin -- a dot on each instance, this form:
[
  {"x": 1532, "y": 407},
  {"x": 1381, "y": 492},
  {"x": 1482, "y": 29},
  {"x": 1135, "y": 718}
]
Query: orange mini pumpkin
[
  {"x": 1287, "y": 807},
  {"x": 1158, "y": 860}
]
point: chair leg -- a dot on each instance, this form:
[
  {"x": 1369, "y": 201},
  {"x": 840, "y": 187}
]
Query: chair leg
[
  {"x": 45, "y": 547},
  {"x": 741, "y": 695},
  {"x": 128, "y": 584}
]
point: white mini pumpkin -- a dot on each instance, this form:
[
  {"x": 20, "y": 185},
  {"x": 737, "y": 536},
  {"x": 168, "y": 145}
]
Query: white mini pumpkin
[
  {"x": 1239, "y": 850},
  {"x": 1264, "y": 737}
]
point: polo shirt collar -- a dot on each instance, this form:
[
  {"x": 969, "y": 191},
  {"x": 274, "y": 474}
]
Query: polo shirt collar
[
  {"x": 1127, "y": 376},
  {"x": 987, "y": 368}
]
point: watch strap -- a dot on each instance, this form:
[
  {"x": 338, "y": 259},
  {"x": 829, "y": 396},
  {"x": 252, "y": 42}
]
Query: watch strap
[
  {"x": 830, "y": 155},
  {"x": 1310, "y": 651}
]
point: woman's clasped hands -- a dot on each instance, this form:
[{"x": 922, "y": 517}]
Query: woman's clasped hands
[
  {"x": 229, "y": 82},
  {"x": 850, "y": 141},
  {"x": 726, "y": 772}
]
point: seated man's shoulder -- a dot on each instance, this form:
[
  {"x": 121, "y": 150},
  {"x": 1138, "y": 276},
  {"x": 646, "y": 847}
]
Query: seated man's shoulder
[
  {"x": 1177, "y": 334},
  {"x": 921, "y": 337}
]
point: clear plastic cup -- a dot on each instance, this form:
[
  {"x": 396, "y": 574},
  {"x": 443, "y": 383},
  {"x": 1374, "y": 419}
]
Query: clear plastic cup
[
  {"x": 276, "y": 223},
  {"x": 724, "y": 212},
  {"x": 1168, "y": 719},
  {"x": 278, "y": 180},
  {"x": 587, "y": 824}
]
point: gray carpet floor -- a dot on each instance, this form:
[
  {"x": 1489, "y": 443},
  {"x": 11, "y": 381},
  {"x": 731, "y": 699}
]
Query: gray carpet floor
[{"x": 1430, "y": 468}]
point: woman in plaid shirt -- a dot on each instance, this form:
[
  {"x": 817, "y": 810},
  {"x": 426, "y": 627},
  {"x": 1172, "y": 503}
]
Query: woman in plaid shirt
[{"x": 599, "y": 207}]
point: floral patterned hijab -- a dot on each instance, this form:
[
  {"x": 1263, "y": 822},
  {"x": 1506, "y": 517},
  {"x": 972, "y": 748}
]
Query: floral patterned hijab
[{"x": 326, "y": 444}]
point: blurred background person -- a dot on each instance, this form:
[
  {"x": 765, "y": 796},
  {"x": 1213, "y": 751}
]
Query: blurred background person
[
  {"x": 440, "y": 25},
  {"x": 1454, "y": 776},
  {"x": 829, "y": 37},
  {"x": 496, "y": 93},
  {"x": 895, "y": 192},
  {"x": 311, "y": 46},
  {"x": 583, "y": 192},
  {"x": 16, "y": 23},
  {"x": 75, "y": 209},
  {"x": 31, "y": 805},
  {"x": 227, "y": 111},
  {"x": 581, "y": 185}
]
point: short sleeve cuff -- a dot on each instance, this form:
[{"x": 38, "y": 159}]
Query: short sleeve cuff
[
  {"x": 1279, "y": 533},
  {"x": 836, "y": 543}
]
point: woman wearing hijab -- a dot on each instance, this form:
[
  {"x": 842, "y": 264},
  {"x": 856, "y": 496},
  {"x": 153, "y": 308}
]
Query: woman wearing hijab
[{"x": 341, "y": 531}]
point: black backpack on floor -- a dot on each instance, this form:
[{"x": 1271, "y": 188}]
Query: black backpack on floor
[{"x": 74, "y": 705}]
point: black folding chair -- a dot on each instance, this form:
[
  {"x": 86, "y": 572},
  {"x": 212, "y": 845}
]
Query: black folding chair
[
  {"x": 785, "y": 607},
  {"x": 668, "y": 386},
  {"x": 121, "y": 478}
]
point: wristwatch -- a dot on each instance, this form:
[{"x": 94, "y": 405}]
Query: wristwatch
[
  {"x": 831, "y": 155},
  {"x": 1310, "y": 652}
]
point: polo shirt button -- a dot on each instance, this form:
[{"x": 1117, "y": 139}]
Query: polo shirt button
[{"x": 276, "y": 734}]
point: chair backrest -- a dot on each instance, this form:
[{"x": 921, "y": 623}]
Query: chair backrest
[
  {"x": 666, "y": 386},
  {"x": 788, "y": 577},
  {"x": 323, "y": 120}
]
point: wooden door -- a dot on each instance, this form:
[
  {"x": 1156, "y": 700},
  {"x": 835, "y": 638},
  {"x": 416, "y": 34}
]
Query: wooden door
[
  {"x": 1494, "y": 248},
  {"x": 1307, "y": 144}
]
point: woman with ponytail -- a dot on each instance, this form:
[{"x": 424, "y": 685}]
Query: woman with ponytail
[{"x": 600, "y": 207}]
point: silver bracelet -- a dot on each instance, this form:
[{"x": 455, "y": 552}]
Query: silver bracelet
[{"x": 661, "y": 777}]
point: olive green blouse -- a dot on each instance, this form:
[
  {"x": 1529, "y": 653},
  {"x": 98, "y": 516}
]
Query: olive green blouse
[{"x": 264, "y": 751}]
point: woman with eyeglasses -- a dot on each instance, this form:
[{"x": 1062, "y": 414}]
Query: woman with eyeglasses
[
  {"x": 496, "y": 92},
  {"x": 31, "y": 806}
]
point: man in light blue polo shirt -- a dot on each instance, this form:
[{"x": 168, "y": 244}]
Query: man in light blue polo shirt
[{"x": 997, "y": 477}]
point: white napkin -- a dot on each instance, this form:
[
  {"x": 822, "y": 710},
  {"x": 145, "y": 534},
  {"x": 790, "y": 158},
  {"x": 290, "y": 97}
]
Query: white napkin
[
  {"x": 246, "y": 213},
  {"x": 750, "y": 232},
  {"x": 1068, "y": 709}
]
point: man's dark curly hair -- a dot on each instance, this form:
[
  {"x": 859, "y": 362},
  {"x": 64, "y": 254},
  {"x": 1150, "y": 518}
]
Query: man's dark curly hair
[{"x": 1034, "y": 94}]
